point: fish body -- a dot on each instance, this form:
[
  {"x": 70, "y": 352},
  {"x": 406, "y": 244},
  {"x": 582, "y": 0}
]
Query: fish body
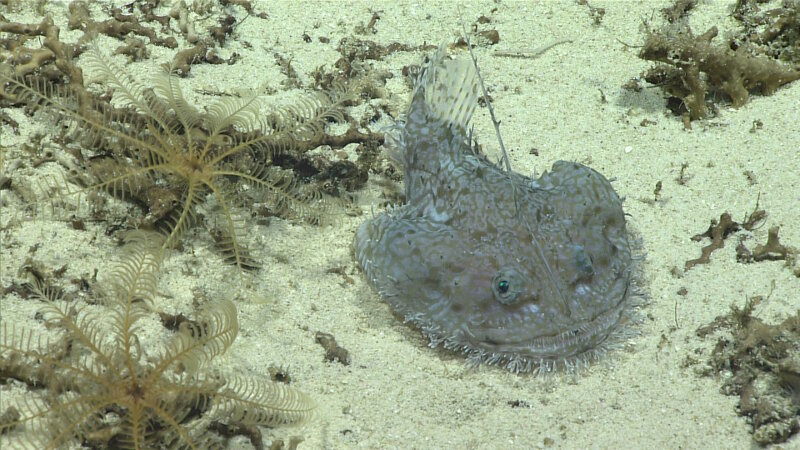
[{"x": 530, "y": 274}]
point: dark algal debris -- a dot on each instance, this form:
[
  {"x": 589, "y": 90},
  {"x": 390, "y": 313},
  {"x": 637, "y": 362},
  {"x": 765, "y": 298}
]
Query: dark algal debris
[
  {"x": 760, "y": 57},
  {"x": 763, "y": 366}
]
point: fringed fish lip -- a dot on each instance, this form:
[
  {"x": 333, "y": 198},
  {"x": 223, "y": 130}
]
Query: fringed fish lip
[
  {"x": 530, "y": 341},
  {"x": 580, "y": 336}
]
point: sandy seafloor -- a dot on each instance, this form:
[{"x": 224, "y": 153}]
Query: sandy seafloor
[{"x": 398, "y": 392}]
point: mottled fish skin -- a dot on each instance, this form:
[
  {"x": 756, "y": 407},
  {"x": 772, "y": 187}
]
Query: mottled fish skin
[{"x": 530, "y": 274}]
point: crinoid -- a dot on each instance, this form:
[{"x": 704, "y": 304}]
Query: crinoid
[
  {"x": 98, "y": 386},
  {"x": 151, "y": 147}
]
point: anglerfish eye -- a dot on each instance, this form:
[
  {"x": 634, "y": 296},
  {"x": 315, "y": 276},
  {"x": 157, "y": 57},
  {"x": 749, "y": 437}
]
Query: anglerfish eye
[
  {"x": 502, "y": 286},
  {"x": 507, "y": 285}
]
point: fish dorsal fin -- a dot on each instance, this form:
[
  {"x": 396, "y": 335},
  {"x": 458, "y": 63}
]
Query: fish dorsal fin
[{"x": 451, "y": 89}]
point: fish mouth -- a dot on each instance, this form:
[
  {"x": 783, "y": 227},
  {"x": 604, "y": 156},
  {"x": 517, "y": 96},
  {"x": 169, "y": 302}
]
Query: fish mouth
[{"x": 578, "y": 338}]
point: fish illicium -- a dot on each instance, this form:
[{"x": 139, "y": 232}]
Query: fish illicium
[{"x": 530, "y": 274}]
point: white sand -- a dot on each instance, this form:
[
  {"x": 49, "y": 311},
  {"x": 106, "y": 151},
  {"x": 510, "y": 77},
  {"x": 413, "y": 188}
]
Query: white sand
[{"x": 398, "y": 393}]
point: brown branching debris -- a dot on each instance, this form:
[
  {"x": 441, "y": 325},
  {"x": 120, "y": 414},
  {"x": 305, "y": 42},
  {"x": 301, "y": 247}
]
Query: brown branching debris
[
  {"x": 772, "y": 250},
  {"x": 333, "y": 351},
  {"x": 703, "y": 67},
  {"x": 53, "y": 59},
  {"x": 182, "y": 62},
  {"x": 120, "y": 25},
  {"x": 771, "y": 32},
  {"x": 247, "y": 6},
  {"x": 678, "y": 10},
  {"x": 692, "y": 67},
  {"x": 763, "y": 362},
  {"x": 721, "y": 229},
  {"x": 717, "y": 231}
]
